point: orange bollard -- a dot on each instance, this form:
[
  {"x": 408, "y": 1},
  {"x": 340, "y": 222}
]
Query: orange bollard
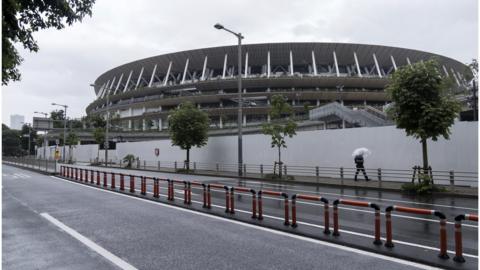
[
  {"x": 92, "y": 176},
  {"x": 388, "y": 218},
  {"x": 294, "y": 210},
  {"x": 185, "y": 192},
  {"x": 122, "y": 182},
  {"x": 260, "y": 208},
  {"x": 132, "y": 184},
  {"x": 209, "y": 197},
  {"x": 76, "y": 173},
  {"x": 377, "y": 240},
  {"x": 254, "y": 204},
  {"x": 155, "y": 188},
  {"x": 287, "y": 222},
  {"x": 113, "y": 181},
  {"x": 143, "y": 185},
  {"x": 204, "y": 195},
  {"x": 98, "y": 178},
  {"x": 227, "y": 200},
  {"x": 443, "y": 239}
]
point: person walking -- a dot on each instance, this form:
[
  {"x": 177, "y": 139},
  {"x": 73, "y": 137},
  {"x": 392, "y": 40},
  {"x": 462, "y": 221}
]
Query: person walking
[{"x": 359, "y": 165}]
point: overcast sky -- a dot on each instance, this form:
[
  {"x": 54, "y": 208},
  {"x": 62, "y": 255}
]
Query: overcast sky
[{"x": 121, "y": 31}]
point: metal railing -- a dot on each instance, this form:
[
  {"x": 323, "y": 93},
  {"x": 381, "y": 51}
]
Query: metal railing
[
  {"x": 45, "y": 165},
  {"x": 318, "y": 174}
]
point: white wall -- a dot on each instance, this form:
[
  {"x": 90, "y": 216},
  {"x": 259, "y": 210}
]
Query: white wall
[{"x": 390, "y": 147}]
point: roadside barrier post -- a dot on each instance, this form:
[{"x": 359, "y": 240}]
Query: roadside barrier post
[
  {"x": 81, "y": 175},
  {"x": 143, "y": 186},
  {"x": 227, "y": 200},
  {"x": 285, "y": 196},
  {"x": 260, "y": 210},
  {"x": 156, "y": 190},
  {"x": 185, "y": 192},
  {"x": 326, "y": 212},
  {"x": 254, "y": 204},
  {"x": 379, "y": 172},
  {"x": 443, "y": 222},
  {"x": 132, "y": 184},
  {"x": 209, "y": 197},
  {"x": 204, "y": 195},
  {"x": 105, "y": 179},
  {"x": 122, "y": 182},
  {"x": 458, "y": 236},
  {"x": 68, "y": 172},
  {"x": 189, "y": 199},
  {"x": 113, "y": 181},
  {"x": 98, "y": 178},
  {"x": 452, "y": 179},
  {"x": 261, "y": 170},
  {"x": 92, "y": 176},
  {"x": 232, "y": 200},
  {"x": 76, "y": 173}
]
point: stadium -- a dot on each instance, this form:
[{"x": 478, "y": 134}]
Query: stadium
[{"x": 329, "y": 85}]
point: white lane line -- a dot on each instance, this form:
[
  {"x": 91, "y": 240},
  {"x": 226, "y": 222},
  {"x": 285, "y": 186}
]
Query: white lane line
[
  {"x": 355, "y": 196},
  {"x": 248, "y": 212},
  {"x": 294, "y": 236},
  {"x": 89, "y": 243}
]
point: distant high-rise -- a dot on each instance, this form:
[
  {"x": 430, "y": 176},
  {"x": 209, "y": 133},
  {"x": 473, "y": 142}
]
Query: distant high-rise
[{"x": 16, "y": 121}]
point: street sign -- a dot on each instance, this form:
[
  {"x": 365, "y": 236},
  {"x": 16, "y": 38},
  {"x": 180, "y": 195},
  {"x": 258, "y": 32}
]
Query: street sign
[
  {"x": 42, "y": 124},
  {"x": 57, "y": 141},
  {"x": 157, "y": 152}
]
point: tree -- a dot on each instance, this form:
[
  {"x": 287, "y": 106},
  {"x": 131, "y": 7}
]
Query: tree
[
  {"x": 21, "y": 18},
  {"x": 72, "y": 140},
  {"x": 422, "y": 103},
  {"x": 281, "y": 125},
  {"x": 188, "y": 127},
  {"x": 10, "y": 142},
  {"x": 58, "y": 116}
]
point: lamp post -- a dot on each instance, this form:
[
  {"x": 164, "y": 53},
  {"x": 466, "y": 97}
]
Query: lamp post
[
  {"x": 64, "y": 126},
  {"x": 45, "y": 138},
  {"x": 239, "y": 81}
]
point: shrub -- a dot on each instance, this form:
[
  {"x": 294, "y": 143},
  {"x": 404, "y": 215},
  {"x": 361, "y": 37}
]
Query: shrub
[{"x": 129, "y": 160}]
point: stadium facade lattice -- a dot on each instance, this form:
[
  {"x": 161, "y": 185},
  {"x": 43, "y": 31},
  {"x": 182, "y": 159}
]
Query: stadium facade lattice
[{"x": 143, "y": 92}]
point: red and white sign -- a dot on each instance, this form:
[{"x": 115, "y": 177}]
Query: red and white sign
[{"x": 157, "y": 152}]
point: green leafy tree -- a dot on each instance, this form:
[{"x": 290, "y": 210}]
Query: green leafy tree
[
  {"x": 281, "y": 125},
  {"x": 188, "y": 127},
  {"x": 21, "y": 18},
  {"x": 422, "y": 103},
  {"x": 58, "y": 117},
  {"x": 10, "y": 142},
  {"x": 72, "y": 140}
]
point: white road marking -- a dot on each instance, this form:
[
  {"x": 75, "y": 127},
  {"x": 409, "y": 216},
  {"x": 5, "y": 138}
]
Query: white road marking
[
  {"x": 89, "y": 243},
  {"x": 248, "y": 212},
  {"x": 354, "y": 196},
  {"x": 294, "y": 236}
]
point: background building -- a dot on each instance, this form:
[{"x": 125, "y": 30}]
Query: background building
[
  {"x": 16, "y": 121},
  {"x": 142, "y": 93}
]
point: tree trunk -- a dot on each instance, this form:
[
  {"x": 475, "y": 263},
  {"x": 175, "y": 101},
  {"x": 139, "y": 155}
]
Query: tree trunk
[
  {"x": 425, "y": 156},
  {"x": 279, "y": 162},
  {"x": 188, "y": 159}
]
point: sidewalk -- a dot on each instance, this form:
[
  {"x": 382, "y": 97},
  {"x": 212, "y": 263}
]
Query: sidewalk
[{"x": 374, "y": 184}]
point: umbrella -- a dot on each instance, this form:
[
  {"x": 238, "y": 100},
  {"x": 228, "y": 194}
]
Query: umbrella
[{"x": 362, "y": 151}]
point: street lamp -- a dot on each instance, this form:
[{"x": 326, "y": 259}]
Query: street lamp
[
  {"x": 239, "y": 80},
  {"x": 64, "y": 126},
  {"x": 45, "y": 139},
  {"x": 107, "y": 123}
]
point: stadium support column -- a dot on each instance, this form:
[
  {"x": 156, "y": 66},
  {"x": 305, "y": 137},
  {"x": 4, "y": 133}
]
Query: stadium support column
[
  {"x": 118, "y": 84},
  {"x": 268, "y": 64},
  {"x": 165, "y": 81},
  {"x": 246, "y": 66},
  {"x": 153, "y": 76},
  {"x": 139, "y": 78},
  {"x": 455, "y": 76},
  {"x": 377, "y": 66},
  {"x": 224, "y": 66},
  {"x": 204, "y": 68},
  {"x": 128, "y": 81},
  {"x": 408, "y": 61},
  {"x": 314, "y": 64},
  {"x": 336, "y": 63},
  {"x": 357, "y": 64},
  {"x": 185, "y": 71},
  {"x": 291, "y": 63},
  {"x": 393, "y": 62},
  {"x": 220, "y": 122}
]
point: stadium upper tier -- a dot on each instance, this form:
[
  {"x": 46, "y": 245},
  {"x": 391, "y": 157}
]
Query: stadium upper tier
[{"x": 313, "y": 73}]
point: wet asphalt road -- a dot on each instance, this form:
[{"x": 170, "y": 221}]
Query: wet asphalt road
[
  {"x": 145, "y": 235},
  {"x": 409, "y": 228}
]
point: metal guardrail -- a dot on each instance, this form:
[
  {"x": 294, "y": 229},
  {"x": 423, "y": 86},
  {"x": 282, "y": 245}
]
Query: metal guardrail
[
  {"x": 315, "y": 173},
  {"x": 45, "y": 165}
]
